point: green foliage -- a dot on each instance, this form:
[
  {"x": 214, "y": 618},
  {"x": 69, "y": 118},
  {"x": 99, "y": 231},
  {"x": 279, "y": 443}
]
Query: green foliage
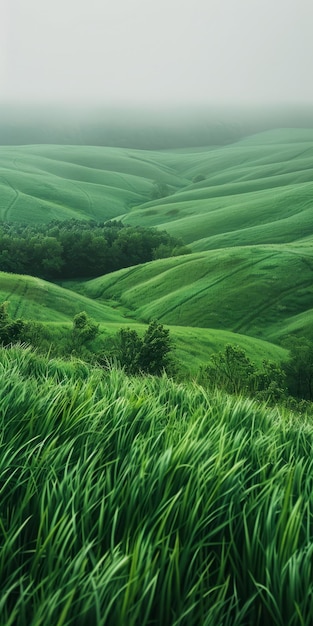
[
  {"x": 231, "y": 370},
  {"x": 160, "y": 190},
  {"x": 136, "y": 500},
  {"x": 150, "y": 354},
  {"x": 198, "y": 178},
  {"x": 129, "y": 346},
  {"x": 269, "y": 382},
  {"x": 299, "y": 367},
  {"x": 74, "y": 248},
  {"x": 84, "y": 329},
  {"x": 10, "y": 330},
  {"x": 156, "y": 348},
  {"x": 234, "y": 372}
]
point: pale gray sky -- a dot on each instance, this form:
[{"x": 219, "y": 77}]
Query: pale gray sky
[{"x": 156, "y": 51}]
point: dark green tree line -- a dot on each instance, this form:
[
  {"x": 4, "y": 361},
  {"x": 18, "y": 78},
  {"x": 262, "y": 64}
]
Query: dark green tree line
[{"x": 77, "y": 249}]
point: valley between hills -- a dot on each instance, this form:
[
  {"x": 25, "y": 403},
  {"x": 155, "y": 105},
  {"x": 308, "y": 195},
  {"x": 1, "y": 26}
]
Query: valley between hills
[{"x": 245, "y": 210}]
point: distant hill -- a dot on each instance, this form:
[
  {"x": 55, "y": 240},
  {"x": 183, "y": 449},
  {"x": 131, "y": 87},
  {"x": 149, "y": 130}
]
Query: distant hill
[
  {"x": 41, "y": 183},
  {"x": 258, "y": 190}
]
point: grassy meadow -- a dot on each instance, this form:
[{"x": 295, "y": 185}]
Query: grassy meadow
[
  {"x": 31, "y": 298},
  {"x": 148, "y": 500},
  {"x": 253, "y": 290},
  {"x": 42, "y": 183},
  {"x": 255, "y": 191},
  {"x": 244, "y": 209},
  {"x": 142, "y": 501}
]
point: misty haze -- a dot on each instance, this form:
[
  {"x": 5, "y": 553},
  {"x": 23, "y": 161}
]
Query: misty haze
[{"x": 144, "y": 53}]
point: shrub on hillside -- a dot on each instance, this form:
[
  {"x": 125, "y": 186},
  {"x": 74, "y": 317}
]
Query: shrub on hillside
[
  {"x": 150, "y": 354},
  {"x": 234, "y": 372}
]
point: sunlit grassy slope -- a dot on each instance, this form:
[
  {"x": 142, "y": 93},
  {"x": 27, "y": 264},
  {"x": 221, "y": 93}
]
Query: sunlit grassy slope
[{"x": 255, "y": 290}]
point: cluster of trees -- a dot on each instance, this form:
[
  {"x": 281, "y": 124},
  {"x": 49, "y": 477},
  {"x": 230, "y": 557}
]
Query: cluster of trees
[
  {"x": 12, "y": 330},
  {"x": 76, "y": 249},
  {"x": 290, "y": 383},
  {"x": 150, "y": 354},
  {"x": 233, "y": 371}
]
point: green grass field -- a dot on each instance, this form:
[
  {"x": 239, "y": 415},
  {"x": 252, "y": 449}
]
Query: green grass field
[
  {"x": 41, "y": 183},
  {"x": 134, "y": 501},
  {"x": 249, "y": 223},
  {"x": 254, "y": 290},
  {"x": 257, "y": 190},
  {"x": 34, "y": 299}
]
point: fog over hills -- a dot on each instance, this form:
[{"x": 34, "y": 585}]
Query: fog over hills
[{"x": 144, "y": 128}]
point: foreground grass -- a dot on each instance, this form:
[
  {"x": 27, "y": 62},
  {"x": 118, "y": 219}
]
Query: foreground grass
[{"x": 141, "y": 501}]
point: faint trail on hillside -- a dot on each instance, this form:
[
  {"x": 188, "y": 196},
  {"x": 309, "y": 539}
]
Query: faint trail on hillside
[
  {"x": 129, "y": 186},
  {"x": 22, "y": 295},
  {"x": 272, "y": 301},
  {"x": 37, "y": 171},
  {"x": 6, "y": 212},
  {"x": 216, "y": 282},
  {"x": 86, "y": 194},
  {"x": 253, "y": 316},
  {"x": 304, "y": 258},
  {"x": 14, "y": 293},
  {"x": 21, "y": 166}
]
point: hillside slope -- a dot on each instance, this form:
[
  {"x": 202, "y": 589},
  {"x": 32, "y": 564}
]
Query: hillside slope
[
  {"x": 38, "y": 300},
  {"x": 41, "y": 183},
  {"x": 34, "y": 299},
  {"x": 245, "y": 209},
  {"x": 258, "y": 190},
  {"x": 255, "y": 290}
]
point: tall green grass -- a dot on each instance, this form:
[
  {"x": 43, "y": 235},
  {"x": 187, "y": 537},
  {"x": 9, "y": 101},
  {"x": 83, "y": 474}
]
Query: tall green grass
[{"x": 141, "y": 501}]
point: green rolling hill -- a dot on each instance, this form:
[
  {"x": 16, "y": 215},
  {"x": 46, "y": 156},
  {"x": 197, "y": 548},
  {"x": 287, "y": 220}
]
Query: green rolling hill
[
  {"x": 255, "y": 290},
  {"x": 35, "y": 299},
  {"x": 258, "y": 190},
  {"x": 41, "y": 183},
  {"x": 255, "y": 191},
  {"x": 245, "y": 209}
]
